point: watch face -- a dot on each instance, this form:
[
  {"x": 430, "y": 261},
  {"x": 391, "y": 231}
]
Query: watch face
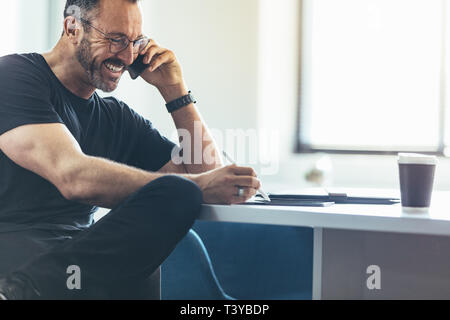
[{"x": 191, "y": 98}]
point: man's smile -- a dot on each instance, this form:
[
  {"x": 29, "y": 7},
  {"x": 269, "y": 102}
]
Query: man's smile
[{"x": 114, "y": 67}]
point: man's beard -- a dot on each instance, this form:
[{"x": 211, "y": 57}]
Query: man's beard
[{"x": 93, "y": 72}]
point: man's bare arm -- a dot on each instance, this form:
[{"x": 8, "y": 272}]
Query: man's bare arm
[
  {"x": 189, "y": 119},
  {"x": 104, "y": 183},
  {"x": 165, "y": 74},
  {"x": 50, "y": 151},
  {"x": 173, "y": 168}
]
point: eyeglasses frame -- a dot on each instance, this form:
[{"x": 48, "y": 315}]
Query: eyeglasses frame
[{"x": 112, "y": 40}]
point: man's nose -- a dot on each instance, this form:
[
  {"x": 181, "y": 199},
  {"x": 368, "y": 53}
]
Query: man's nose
[{"x": 127, "y": 55}]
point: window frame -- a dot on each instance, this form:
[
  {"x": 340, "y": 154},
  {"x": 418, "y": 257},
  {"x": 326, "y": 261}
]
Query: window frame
[{"x": 443, "y": 150}]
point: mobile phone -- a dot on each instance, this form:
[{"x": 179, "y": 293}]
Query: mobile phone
[{"x": 137, "y": 67}]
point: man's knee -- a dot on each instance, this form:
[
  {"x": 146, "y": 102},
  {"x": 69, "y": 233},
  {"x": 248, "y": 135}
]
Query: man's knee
[{"x": 183, "y": 198}]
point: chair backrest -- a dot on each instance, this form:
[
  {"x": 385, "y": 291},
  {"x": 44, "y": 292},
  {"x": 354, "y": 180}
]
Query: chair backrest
[{"x": 189, "y": 274}]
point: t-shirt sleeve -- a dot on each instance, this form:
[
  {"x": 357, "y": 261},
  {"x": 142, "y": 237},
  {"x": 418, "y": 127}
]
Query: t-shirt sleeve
[
  {"x": 24, "y": 95},
  {"x": 151, "y": 151}
]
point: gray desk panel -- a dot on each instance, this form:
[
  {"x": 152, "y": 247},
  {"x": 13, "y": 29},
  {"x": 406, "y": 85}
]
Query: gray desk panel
[{"x": 411, "y": 266}]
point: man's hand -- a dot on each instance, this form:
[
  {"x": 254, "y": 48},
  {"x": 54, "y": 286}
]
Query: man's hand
[
  {"x": 164, "y": 71},
  {"x": 221, "y": 186}
]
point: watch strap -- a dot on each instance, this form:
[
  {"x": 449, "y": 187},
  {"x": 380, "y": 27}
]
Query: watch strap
[{"x": 180, "y": 103}]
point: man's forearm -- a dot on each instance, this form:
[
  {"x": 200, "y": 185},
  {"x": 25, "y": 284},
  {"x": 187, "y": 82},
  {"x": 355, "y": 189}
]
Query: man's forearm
[
  {"x": 204, "y": 154},
  {"x": 104, "y": 183}
]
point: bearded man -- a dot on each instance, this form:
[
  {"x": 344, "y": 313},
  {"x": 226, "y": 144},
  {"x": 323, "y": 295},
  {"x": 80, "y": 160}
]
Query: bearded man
[{"x": 65, "y": 151}]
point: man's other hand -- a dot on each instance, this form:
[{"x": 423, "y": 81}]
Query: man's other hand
[
  {"x": 221, "y": 186},
  {"x": 164, "y": 70}
]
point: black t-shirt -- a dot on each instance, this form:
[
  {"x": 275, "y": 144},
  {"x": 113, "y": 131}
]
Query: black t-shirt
[{"x": 30, "y": 93}]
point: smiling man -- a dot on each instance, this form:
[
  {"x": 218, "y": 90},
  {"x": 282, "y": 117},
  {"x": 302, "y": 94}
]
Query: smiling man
[{"x": 64, "y": 151}]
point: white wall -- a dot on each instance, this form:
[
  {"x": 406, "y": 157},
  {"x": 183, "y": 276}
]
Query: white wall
[
  {"x": 33, "y": 25},
  {"x": 24, "y": 26},
  {"x": 216, "y": 43}
]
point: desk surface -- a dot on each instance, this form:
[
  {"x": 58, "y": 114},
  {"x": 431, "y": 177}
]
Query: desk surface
[{"x": 351, "y": 217}]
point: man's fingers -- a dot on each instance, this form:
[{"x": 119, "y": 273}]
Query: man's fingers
[
  {"x": 151, "y": 52},
  {"x": 248, "y": 194},
  {"x": 163, "y": 58},
  {"x": 150, "y": 44},
  {"x": 243, "y": 171},
  {"x": 246, "y": 181}
]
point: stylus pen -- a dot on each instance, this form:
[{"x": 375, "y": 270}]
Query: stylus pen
[{"x": 265, "y": 196}]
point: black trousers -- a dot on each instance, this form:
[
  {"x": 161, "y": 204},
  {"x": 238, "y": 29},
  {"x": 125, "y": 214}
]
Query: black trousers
[{"x": 119, "y": 257}]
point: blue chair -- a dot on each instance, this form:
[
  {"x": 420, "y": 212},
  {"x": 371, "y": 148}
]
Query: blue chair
[
  {"x": 188, "y": 274},
  {"x": 260, "y": 262}
]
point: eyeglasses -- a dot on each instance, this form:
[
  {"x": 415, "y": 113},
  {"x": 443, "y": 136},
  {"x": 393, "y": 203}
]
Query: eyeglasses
[{"x": 120, "y": 43}]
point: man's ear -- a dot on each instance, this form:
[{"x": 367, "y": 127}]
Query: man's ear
[{"x": 72, "y": 29}]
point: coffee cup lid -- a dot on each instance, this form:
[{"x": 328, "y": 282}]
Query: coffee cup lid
[{"x": 415, "y": 158}]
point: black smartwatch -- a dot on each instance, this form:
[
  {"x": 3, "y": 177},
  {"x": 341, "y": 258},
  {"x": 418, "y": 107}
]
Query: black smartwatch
[{"x": 180, "y": 103}]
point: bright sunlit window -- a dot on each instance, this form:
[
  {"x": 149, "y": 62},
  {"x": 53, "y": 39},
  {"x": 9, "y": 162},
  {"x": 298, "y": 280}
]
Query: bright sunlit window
[{"x": 374, "y": 75}]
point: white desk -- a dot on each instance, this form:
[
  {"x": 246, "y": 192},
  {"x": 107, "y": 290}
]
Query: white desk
[{"x": 411, "y": 250}]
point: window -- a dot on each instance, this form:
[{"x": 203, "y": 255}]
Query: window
[{"x": 374, "y": 75}]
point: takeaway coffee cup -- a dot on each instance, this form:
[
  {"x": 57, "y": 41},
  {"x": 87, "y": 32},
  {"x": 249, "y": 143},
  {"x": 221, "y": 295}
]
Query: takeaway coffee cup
[{"x": 416, "y": 181}]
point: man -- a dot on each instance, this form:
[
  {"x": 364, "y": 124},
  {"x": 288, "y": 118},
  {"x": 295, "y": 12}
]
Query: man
[{"x": 66, "y": 151}]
